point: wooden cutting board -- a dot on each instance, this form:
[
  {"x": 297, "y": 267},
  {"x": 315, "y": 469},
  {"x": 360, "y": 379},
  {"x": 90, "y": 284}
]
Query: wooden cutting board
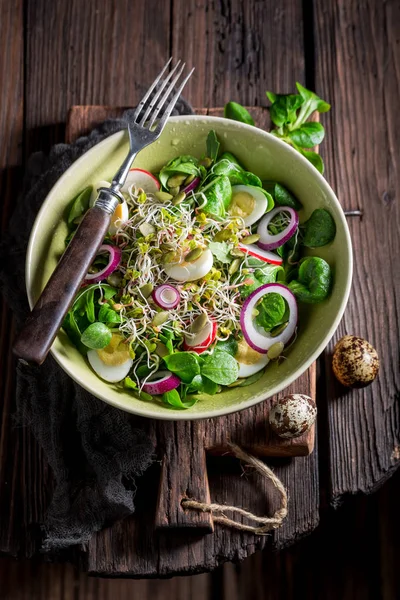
[{"x": 183, "y": 446}]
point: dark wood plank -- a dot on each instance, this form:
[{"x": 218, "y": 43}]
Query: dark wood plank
[
  {"x": 97, "y": 53},
  {"x": 183, "y": 473},
  {"x": 82, "y": 119},
  {"x": 239, "y": 49},
  {"x": 11, "y": 136},
  {"x": 389, "y": 539},
  {"x": 31, "y": 580},
  {"x": 358, "y": 71},
  {"x": 342, "y": 559}
]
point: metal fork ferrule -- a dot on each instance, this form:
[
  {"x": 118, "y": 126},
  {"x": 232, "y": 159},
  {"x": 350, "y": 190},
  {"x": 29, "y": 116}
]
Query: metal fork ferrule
[{"x": 108, "y": 199}]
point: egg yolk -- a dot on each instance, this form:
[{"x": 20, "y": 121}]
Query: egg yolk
[
  {"x": 116, "y": 353},
  {"x": 242, "y": 204},
  {"x": 245, "y": 354},
  {"x": 118, "y": 215}
]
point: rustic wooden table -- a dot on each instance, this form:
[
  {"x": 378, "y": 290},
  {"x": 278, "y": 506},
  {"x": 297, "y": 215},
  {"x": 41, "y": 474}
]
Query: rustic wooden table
[{"x": 57, "y": 54}]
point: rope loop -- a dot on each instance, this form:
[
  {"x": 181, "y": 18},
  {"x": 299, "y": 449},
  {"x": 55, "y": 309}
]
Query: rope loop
[{"x": 265, "y": 524}]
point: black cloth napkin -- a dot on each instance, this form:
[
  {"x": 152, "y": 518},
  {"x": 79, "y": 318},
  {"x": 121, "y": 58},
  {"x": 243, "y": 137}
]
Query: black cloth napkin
[{"x": 91, "y": 447}]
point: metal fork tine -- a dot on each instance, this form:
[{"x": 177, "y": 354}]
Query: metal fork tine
[
  {"x": 158, "y": 94},
  {"x": 161, "y": 103},
  {"x": 140, "y": 134},
  {"x": 149, "y": 91},
  {"x": 171, "y": 105}
]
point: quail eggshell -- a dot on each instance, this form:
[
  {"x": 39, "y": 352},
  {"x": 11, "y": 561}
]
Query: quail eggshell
[
  {"x": 293, "y": 415},
  {"x": 355, "y": 362}
]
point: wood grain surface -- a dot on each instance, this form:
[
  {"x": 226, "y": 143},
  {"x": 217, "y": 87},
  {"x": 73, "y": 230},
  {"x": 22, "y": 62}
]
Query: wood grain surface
[
  {"x": 56, "y": 54},
  {"x": 349, "y": 562},
  {"x": 362, "y": 159},
  {"x": 11, "y": 136}
]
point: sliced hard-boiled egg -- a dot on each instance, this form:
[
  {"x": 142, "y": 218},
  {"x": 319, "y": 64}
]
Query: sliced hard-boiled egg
[
  {"x": 141, "y": 179},
  {"x": 120, "y": 216},
  {"x": 248, "y": 202},
  {"x": 250, "y": 361},
  {"x": 190, "y": 271},
  {"x": 121, "y": 213},
  {"x": 113, "y": 362},
  {"x": 248, "y": 370}
]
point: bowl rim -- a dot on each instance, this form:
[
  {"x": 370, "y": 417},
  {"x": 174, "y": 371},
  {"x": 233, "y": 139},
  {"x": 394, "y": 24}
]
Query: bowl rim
[{"x": 186, "y": 415}]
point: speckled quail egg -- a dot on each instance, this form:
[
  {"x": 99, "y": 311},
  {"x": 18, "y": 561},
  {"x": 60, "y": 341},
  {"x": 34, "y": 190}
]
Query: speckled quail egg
[
  {"x": 292, "y": 416},
  {"x": 355, "y": 362}
]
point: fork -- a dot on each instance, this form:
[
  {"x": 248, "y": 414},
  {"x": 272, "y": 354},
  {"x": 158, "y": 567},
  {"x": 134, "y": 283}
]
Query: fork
[{"x": 145, "y": 124}]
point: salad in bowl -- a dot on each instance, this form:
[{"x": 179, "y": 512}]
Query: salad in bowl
[
  {"x": 204, "y": 280},
  {"x": 224, "y": 348}
]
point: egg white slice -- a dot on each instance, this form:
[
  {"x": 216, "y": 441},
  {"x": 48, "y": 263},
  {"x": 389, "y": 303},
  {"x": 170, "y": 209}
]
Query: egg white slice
[
  {"x": 248, "y": 370},
  {"x": 248, "y": 202},
  {"x": 110, "y": 373},
  {"x": 190, "y": 271}
]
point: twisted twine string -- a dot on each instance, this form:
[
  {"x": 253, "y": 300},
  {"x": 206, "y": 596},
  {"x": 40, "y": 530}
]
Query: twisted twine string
[{"x": 267, "y": 523}]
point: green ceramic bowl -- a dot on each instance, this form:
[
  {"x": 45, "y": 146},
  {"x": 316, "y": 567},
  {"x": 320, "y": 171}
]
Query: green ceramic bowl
[{"x": 259, "y": 152}]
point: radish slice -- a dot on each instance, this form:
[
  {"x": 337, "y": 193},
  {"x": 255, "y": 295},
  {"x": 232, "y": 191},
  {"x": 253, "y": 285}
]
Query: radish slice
[
  {"x": 256, "y": 336},
  {"x": 161, "y": 382},
  {"x": 192, "y": 185},
  {"x": 114, "y": 260},
  {"x": 200, "y": 341},
  {"x": 166, "y": 296},
  {"x": 141, "y": 179},
  {"x": 268, "y": 241},
  {"x": 264, "y": 255}
]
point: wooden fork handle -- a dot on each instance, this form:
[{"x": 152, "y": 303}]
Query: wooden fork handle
[{"x": 41, "y": 327}]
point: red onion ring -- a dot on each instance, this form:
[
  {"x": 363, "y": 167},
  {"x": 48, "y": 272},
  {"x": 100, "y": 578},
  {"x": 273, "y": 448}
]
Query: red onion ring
[
  {"x": 166, "y": 296},
  {"x": 115, "y": 259},
  {"x": 268, "y": 241},
  {"x": 161, "y": 382},
  {"x": 261, "y": 342},
  {"x": 192, "y": 185}
]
